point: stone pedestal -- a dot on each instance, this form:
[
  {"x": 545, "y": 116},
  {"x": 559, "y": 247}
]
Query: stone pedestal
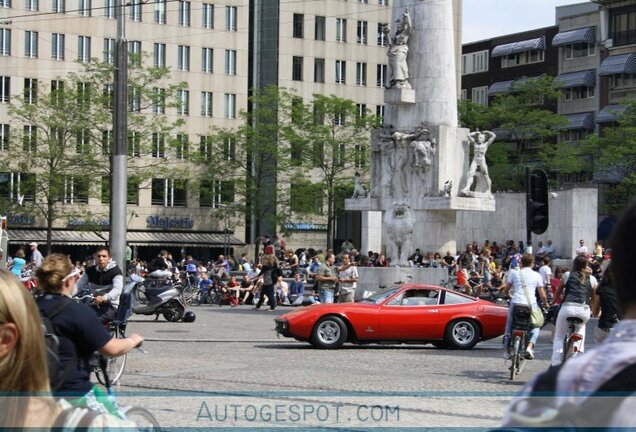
[
  {"x": 371, "y": 232},
  {"x": 399, "y": 96}
]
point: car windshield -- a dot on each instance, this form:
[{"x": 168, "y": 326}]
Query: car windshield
[{"x": 380, "y": 296}]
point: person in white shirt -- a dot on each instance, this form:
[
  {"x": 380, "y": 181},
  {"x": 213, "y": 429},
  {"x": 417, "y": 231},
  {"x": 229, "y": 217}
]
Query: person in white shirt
[
  {"x": 582, "y": 249},
  {"x": 546, "y": 274},
  {"x": 281, "y": 288},
  {"x": 347, "y": 278}
]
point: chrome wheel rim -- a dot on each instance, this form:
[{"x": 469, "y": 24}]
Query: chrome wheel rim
[
  {"x": 463, "y": 333},
  {"x": 328, "y": 332}
]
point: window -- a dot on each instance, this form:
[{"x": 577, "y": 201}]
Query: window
[
  {"x": 479, "y": 95},
  {"x": 230, "y": 18},
  {"x": 83, "y": 48},
  {"x": 184, "y": 13},
  {"x": 135, "y": 10},
  {"x": 230, "y": 62},
  {"x": 183, "y": 57},
  {"x": 213, "y": 193},
  {"x": 579, "y": 93},
  {"x": 73, "y": 190},
  {"x": 297, "y": 68},
  {"x": 578, "y": 50},
  {"x": 341, "y": 30},
  {"x": 382, "y": 38},
  {"x": 463, "y": 94},
  {"x": 361, "y": 74},
  {"x": 158, "y": 145},
  {"x": 159, "y": 55},
  {"x": 229, "y": 149},
  {"x": 109, "y": 9},
  {"x": 622, "y": 25},
  {"x": 160, "y": 11},
  {"x": 31, "y": 44},
  {"x": 57, "y": 92},
  {"x": 475, "y": 62},
  {"x": 319, "y": 70},
  {"x": 16, "y": 186},
  {"x": 298, "y": 26},
  {"x": 5, "y": 89},
  {"x": 4, "y": 137},
  {"x": 132, "y": 188},
  {"x": 379, "y": 112},
  {"x": 5, "y": 3},
  {"x": 340, "y": 118},
  {"x": 207, "y": 60},
  {"x": 574, "y": 135},
  {"x": 206, "y": 104},
  {"x": 32, "y": 5},
  {"x": 134, "y": 99},
  {"x": 452, "y": 298},
  {"x": 82, "y": 142},
  {"x": 533, "y": 56},
  {"x": 383, "y": 2},
  {"x": 622, "y": 81},
  {"x": 362, "y": 32},
  {"x": 84, "y": 8},
  {"x": 109, "y": 96},
  {"x": 5, "y": 42},
  {"x": 205, "y": 148},
  {"x": 107, "y": 141},
  {"x": 381, "y": 74},
  {"x": 317, "y": 154},
  {"x": 360, "y": 156},
  {"x": 84, "y": 94},
  {"x": 319, "y": 31},
  {"x": 59, "y": 6},
  {"x": 341, "y": 71},
  {"x": 182, "y": 146},
  {"x": 230, "y": 106},
  {"x": 29, "y": 138},
  {"x": 134, "y": 53},
  {"x": 109, "y": 50},
  {"x": 208, "y": 16},
  {"x": 57, "y": 46},
  {"x": 183, "y": 101},
  {"x": 169, "y": 193},
  {"x": 30, "y": 90},
  {"x": 158, "y": 100}
]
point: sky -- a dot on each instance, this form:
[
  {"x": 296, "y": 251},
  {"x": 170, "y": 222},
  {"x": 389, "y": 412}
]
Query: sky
[{"x": 484, "y": 19}]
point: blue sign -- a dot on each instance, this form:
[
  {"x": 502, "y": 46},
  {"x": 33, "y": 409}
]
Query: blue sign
[
  {"x": 169, "y": 222},
  {"x": 20, "y": 220},
  {"x": 83, "y": 222},
  {"x": 305, "y": 226}
]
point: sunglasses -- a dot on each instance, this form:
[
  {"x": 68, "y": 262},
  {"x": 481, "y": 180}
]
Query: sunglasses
[{"x": 74, "y": 274}]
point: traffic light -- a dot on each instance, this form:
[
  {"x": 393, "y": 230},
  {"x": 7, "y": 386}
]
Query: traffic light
[{"x": 537, "y": 201}]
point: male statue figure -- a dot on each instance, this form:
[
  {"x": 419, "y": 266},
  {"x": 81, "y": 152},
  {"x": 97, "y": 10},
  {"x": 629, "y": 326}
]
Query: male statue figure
[
  {"x": 480, "y": 145},
  {"x": 398, "y": 52}
]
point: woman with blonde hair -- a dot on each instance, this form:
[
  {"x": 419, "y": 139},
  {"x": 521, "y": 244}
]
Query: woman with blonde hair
[
  {"x": 269, "y": 274},
  {"x": 24, "y": 371}
]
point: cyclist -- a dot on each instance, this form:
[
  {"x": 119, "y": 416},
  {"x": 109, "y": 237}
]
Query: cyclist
[
  {"x": 524, "y": 283},
  {"x": 580, "y": 291},
  {"x": 105, "y": 281},
  {"x": 80, "y": 334}
]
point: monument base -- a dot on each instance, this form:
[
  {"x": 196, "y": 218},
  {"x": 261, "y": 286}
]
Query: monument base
[
  {"x": 458, "y": 203},
  {"x": 397, "y": 96}
]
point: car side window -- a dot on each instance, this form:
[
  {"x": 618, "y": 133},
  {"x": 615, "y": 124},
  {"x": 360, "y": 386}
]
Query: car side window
[
  {"x": 416, "y": 297},
  {"x": 396, "y": 301},
  {"x": 452, "y": 298}
]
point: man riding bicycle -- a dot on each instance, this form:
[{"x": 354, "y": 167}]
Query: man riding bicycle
[{"x": 105, "y": 281}]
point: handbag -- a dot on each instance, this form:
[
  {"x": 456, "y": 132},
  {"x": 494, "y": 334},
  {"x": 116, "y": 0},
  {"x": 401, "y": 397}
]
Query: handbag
[{"x": 536, "y": 316}]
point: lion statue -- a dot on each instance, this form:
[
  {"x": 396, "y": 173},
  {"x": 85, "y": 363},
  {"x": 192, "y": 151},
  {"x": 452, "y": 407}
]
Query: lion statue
[{"x": 399, "y": 222}]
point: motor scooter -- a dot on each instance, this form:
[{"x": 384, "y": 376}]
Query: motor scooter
[{"x": 155, "y": 297}]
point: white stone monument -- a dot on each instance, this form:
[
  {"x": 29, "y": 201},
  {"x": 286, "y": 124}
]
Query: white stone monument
[{"x": 420, "y": 159}]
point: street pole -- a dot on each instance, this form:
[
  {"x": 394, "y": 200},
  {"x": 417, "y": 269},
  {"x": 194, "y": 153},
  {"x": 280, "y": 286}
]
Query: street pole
[{"x": 119, "y": 154}]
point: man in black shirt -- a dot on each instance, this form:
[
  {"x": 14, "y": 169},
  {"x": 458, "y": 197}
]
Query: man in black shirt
[
  {"x": 105, "y": 281},
  {"x": 159, "y": 267}
]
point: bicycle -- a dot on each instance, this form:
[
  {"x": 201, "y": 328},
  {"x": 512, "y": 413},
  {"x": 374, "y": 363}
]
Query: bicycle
[
  {"x": 188, "y": 289},
  {"x": 520, "y": 324},
  {"x": 573, "y": 338}
]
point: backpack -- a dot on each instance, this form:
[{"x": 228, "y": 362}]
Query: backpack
[
  {"x": 57, "y": 374},
  {"x": 596, "y": 409}
]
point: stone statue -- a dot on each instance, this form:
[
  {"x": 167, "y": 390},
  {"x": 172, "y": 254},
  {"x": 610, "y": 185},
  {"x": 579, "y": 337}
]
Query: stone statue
[
  {"x": 400, "y": 222},
  {"x": 382, "y": 146},
  {"x": 401, "y": 159},
  {"x": 480, "y": 145},
  {"x": 398, "y": 50},
  {"x": 448, "y": 188},
  {"x": 423, "y": 148},
  {"x": 358, "y": 189}
]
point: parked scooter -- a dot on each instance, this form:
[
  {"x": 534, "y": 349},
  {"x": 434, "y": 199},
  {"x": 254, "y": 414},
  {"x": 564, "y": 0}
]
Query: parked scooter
[{"x": 150, "y": 297}]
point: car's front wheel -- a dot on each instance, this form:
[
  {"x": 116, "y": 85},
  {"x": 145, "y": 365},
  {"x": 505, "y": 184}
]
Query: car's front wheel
[
  {"x": 463, "y": 334},
  {"x": 329, "y": 332}
]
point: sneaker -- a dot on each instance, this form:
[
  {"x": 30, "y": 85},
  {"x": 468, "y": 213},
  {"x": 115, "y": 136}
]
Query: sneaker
[{"x": 529, "y": 354}]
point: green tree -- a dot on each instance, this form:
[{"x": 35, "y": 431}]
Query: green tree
[{"x": 64, "y": 136}]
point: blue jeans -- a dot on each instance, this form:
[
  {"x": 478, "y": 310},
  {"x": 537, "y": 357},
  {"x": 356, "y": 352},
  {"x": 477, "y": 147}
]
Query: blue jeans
[
  {"x": 533, "y": 331},
  {"x": 326, "y": 296}
]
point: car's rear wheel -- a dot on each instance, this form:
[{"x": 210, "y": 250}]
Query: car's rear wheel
[
  {"x": 329, "y": 332},
  {"x": 462, "y": 334}
]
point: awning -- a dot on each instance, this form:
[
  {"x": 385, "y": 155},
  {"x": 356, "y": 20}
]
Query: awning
[
  {"x": 624, "y": 63},
  {"x": 587, "y": 34},
  {"x": 500, "y": 87},
  {"x": 580, "y": 121},
  {"x": 610, "y": 113},
  {"x": 586, "y": 78},
  {"x": 162, "y": 238},
  {"x": 65, "y": 237},
  {"x": 517, "y": 47},
  {"x": 147, "y": 238}
]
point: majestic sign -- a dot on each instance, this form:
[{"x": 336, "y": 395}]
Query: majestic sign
[
  {"x": 300, "y": 226},
  {"x": 169, "y": 222},
  {"x": 20, "y": 220}
]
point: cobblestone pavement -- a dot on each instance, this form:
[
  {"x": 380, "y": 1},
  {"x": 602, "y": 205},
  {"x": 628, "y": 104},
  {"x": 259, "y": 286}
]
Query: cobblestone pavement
[{"x": 229, "y": 369}]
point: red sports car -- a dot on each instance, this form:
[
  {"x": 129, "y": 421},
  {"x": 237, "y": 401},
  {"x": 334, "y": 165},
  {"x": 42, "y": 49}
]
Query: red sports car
[{"x": 402, "y": 314}]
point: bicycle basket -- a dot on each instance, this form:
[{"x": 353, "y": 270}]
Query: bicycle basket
[{"x": 521, "y": 317}]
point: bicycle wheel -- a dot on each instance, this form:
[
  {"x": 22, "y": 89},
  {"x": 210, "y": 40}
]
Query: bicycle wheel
[
  {"x": 142, "y": 418},
  {"x": 188, "y": 294},
  {"x": 115, "y": 365},
  {"x": 516, "y": 343}
]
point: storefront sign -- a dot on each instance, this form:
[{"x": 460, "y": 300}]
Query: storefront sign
[
  {"x": 169, "y": 222},
  {"x": 74, "y": 222},
  {"x": 20, "y": 220},
  {"x": 305, "y": 227}
]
